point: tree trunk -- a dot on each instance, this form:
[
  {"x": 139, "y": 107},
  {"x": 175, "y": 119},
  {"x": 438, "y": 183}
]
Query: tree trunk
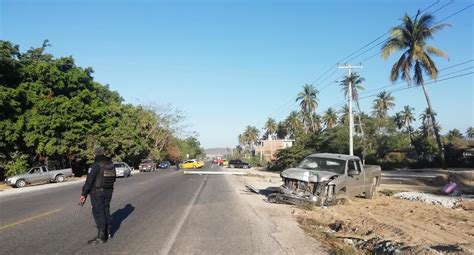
[{"x": 438, "y": 138}]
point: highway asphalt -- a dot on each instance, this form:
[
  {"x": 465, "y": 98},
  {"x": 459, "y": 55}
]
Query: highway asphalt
[{"x": 164, "y": 212}]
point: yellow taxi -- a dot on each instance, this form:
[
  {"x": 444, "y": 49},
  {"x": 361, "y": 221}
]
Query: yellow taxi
[{"x": 192, "y": 163}]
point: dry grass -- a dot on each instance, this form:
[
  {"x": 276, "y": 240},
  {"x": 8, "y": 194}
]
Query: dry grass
[{"x": 319, "y": 231}]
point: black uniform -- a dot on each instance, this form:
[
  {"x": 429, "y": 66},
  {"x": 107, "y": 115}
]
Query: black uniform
[{"x": 100, "y": 185}]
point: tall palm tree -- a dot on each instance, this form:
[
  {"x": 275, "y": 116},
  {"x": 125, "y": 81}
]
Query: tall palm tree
[
  {"x": 250, "y": 136},
  {"x": 470, "y": 132},
  {"x": 407, "y": 116},
  {"x": 411, "y": 37},
  {"x": 356, "y": 85},
  {"x": 455, "y": 133},
  {"x": 293, "y": 123},
  {"x": 271, "y": 127},
  {"x": 330, "y": 118},
  {"x": 308, "y": 101},
  {"x": 382, "y": 104}
]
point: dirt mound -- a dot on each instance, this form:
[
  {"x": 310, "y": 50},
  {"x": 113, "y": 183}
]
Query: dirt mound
[{"x": 392, "y": 225}]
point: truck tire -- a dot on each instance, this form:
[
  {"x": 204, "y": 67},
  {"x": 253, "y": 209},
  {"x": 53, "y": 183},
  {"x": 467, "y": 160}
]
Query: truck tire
[
  {"x": 20, "y": 183},
  {"x": 372, "y": 192},
  {"x": 59, "y": 178}
]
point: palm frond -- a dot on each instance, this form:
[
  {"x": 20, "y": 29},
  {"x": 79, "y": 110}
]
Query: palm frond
[{"x": 435, "y": 51}]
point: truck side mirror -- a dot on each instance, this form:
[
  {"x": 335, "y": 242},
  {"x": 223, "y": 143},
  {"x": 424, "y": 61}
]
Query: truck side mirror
[{"x": 353, "y": 172}]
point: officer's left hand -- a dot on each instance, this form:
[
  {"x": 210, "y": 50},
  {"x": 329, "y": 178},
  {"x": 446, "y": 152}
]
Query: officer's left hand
[{"x": 82, "y": 200}]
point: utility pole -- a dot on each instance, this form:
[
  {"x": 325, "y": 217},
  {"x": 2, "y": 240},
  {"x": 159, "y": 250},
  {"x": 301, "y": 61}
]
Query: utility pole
[{"x": 351, "y": 120}]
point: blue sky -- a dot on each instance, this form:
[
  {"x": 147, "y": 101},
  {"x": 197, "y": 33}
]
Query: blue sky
[{"x": 229, "y": 64}]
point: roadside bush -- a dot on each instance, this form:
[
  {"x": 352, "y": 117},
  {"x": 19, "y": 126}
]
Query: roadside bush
[
  {"x": 290, "y": 157},
  {"x": 16, "y": 166}
]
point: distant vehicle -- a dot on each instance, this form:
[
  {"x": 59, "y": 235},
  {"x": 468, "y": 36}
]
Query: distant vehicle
[
  {"x": 164, "y": 165},
  {"x": 192, "y": 163},
  {"x": 147, "y": 165},
  {"x": 223, "y": 162},
  {"x": 237, "y": 163},
  {"x": 122, "y": 169},
  {"x": 323, "y": 178},
  {"x": 38, "y": 174}
]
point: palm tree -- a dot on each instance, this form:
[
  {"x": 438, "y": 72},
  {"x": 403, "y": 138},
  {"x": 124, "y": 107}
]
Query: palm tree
[
  {"x": 271, "y": 127},
  {"x": 407, "y": 116},
  {"x": 398, "y": 119},
  {"x": 356, "y": 85},
  {"x": 293, "y": 123},
  {"x": 455, "y": 133},
  {"x": 382, "y": 104},
  {"x": 427, "y": 126},
  {"x": 250, "y": 136},
  {"x": 470, "y": 132},
  {"x": 330, "y": 117},
  {"x": 411, "y": 37},
  {"x": 308, "y": 101}
]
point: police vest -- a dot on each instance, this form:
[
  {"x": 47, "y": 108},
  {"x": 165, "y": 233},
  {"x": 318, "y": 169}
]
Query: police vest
[{"x": 106, "y": 177}]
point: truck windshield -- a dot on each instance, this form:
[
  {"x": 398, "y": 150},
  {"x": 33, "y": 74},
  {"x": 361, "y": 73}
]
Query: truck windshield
[{"x": 323, "y": 164}]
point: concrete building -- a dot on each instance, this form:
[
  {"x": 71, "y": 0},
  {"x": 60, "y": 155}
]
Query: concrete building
[{"x": 268, "y": 148}]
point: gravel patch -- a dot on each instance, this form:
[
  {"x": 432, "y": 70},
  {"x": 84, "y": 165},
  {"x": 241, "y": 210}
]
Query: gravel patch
[{"x": 444, "y": 201}]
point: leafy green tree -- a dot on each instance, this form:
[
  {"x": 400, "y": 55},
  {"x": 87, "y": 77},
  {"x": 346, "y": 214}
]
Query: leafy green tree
[
  {"x": 411, "y": 37},
  {"x": 470, "y": 132}
]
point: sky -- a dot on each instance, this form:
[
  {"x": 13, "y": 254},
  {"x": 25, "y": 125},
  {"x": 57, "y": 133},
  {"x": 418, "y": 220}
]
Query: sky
[{"x": 228, "y": 64}]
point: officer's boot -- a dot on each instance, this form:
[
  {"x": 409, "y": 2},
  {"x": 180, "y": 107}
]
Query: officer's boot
[
  {"x": 109, "y": 233},
  {"x": 99, "y": 239}
]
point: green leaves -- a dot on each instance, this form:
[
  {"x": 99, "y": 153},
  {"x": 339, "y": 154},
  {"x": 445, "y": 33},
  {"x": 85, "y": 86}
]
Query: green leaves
[{"x": 53, "y": 109}]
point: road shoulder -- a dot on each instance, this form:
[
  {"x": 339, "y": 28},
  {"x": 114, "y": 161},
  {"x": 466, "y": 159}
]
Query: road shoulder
[{"x": 287, "y": 231}]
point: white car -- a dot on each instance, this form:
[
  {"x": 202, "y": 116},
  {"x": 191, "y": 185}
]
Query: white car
[{"x": 122, "y": 169}]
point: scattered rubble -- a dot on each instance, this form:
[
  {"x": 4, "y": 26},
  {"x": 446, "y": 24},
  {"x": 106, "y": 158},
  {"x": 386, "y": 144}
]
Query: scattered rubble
[{"x": 444, "y": 201}]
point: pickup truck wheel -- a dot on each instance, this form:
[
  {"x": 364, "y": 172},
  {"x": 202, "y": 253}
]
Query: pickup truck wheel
[
  {"x": 59, "y": 178},
  {"x": 20, "y": 183},
  {"x": 372, "y": 190}
]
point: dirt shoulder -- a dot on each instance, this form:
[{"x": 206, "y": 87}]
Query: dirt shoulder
[
  {"x": 284, "y": 218},
  {"x": 386, "y": 224}
]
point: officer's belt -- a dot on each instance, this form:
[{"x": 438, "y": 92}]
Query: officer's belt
[{"x": 100, "y": 189}]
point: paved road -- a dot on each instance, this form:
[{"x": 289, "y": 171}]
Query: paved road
[{"x": 153, "y": 213}]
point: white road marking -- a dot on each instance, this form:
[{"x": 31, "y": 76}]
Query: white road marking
[
  {"x": 214, "y": 172},
  {"x": 172, "y": 239}
]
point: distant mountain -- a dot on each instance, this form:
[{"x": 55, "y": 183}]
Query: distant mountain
[{"x": 216, "y": 151}]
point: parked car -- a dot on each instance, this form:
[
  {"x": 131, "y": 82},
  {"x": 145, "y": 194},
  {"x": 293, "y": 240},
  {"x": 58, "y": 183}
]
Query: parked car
[
  {"x": 164, "y": 165},
  {"x": 122, "y": 169},
  {"x": 192, "y": 163},
  {"x": 147, "y": 165},
  {"x": 323, "y": 178},
  {"x": 237, "y": 163},
  {"x": 38, "y": 174}
]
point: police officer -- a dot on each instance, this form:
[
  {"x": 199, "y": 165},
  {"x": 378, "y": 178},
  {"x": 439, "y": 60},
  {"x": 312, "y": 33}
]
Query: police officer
[{"x": 100, "y": 185}]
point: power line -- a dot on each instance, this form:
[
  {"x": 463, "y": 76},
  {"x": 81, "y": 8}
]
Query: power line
[
  {"x": 400, "y": 82},
  {"x": 439, "y": 22},
  {"x": 416, "y": 86}
]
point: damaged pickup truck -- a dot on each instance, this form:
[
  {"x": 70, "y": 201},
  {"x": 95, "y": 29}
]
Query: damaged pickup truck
[{"x": 324, "y": 178}]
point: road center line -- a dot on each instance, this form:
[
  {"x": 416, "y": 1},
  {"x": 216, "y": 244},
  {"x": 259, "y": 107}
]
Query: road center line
[
  {"x": 29, "y": 219},
  {"x": 145, "y": 181},
  {"x": 172, "y": 239}
]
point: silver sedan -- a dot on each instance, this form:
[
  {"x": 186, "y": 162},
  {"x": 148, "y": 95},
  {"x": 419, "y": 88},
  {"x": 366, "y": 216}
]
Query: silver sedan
[{"x": 122, "y": 169}]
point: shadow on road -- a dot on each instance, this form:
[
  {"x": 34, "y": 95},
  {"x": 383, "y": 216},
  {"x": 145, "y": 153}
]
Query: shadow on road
[{"x": 119, "y": 216}]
